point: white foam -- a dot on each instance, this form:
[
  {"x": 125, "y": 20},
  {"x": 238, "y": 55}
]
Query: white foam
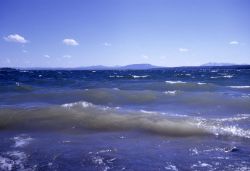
[
  {"x": 239, "y": 87},
  {"x": 215, "y": 77},
  {"x": 116, "y": 76},
  {"x": 194, "y": 151},
  {"x": 13, "y": 160},
  {"x": 22, "y": 140},
  {"x": 83, "y": 104},
  {"x": 233, "y": 130},
  {"x": 147, "y": 112},
  {"x": 199, "y": 83},
  {"x": 229, "y": 130},
  {"x": 171, "y": 167},
  {"x": 228, "y": 76},
  {"x": 200, "y": 164},
  {"x": 98, "y": 160},
  {"x": 104, "y": 151},
  {"x": 232, "y": 119},
  {"x": 220, "y": 129},
  {"x": 6, "y": 163},
  {"x": 140, "y": 76},
  {"x": 175, "y": 82},
  {"x": 170, "y": 92}
]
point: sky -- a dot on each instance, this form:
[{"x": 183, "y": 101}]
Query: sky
[{"x": 73, "y": 33}]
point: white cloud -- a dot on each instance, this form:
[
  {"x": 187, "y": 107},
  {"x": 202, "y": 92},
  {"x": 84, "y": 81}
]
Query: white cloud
[
  {"x": 163, "y": 57},
  {"x": 67, "y": 56},
  {"x": 46, "y": 56},
  {"x": 234, "y": 42},
  {"x": 107, "y": 44},
  {"x": 15, "y": 38},
  {"x": 70, "y": 42},
  {"x": 183, "y": 49},
  {"x": 145, "y": 56}
]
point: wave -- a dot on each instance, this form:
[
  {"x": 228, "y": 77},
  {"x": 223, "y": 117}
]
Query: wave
[
  {"x": 226, "y": 126},
  {"x": 89, "y": 116},
  {"x": 74, "y": 117},
  {"x": 191, "y": 86},
  {"x": 118, "y": 97}
]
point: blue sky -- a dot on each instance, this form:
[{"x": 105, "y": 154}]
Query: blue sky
[{"x": 71, "y": 33}]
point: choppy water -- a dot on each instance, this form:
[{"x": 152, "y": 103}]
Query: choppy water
[{"x": 168, "y": 119}]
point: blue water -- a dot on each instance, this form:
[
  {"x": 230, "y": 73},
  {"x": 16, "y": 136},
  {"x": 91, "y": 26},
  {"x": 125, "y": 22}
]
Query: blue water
[{"x": 161, "y": 119}]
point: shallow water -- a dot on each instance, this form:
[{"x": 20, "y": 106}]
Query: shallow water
[{"x": 169, "y": 119}]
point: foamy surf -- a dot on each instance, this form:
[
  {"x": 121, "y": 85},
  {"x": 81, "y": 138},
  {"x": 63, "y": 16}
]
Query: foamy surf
[
  {"x": 13, "y": 160},
  {"x": 22, "y": 140}
]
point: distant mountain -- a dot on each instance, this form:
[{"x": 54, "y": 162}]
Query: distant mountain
[
  {"x": 218, "y": 64},
  {"x": 96, "y": 67},
  {"x": 126, "y": 67},
  {"x": 139, "y": 66},
  {"x": 8, "y": 69}
]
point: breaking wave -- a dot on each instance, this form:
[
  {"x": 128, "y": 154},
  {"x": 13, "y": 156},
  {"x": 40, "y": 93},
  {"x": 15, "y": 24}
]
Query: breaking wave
[{"x": 87, "y": 116}]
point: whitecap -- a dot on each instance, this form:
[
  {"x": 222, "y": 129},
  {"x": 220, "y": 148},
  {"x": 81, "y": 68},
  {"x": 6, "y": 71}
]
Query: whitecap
[
  {"x": 171, "y": 167},
  {"x": 199, "y": 83},
  {"x": 175, "y": 82},
  {"x": 228, "y": 76},
  {"x": 229, "y": 130},
  {"x": 83, "y": 104},
  {"x": 214, "y": 77},
  {"x": 201, "y": 164},
  {"x": 170, "y": 92},
  {"x": 148, "y": 112},
  {"x": 194, "y": 151},
  {"x": 140, "y": 76},
  {"x": 232, "y": 119},
  {"x": 239, "y": 87}
]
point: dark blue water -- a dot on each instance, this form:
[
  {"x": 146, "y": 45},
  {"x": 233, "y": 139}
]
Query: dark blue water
[{"x": 166, "y": 119}]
